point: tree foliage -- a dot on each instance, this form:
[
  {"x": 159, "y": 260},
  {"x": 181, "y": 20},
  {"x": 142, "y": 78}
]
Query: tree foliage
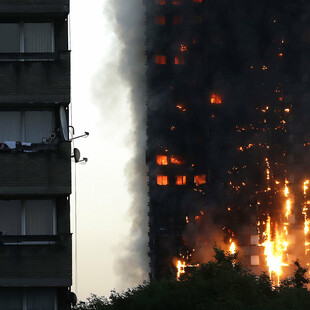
[{"x": 218, "y": 285}]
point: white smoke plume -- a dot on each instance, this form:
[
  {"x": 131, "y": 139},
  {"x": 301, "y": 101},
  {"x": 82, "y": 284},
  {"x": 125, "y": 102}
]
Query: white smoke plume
[{"x": 129, "y": 16}]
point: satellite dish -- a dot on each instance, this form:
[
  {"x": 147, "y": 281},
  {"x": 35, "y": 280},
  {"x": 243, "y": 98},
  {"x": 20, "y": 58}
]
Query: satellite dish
[
  {"x": 76, "y": 155},
  {"x": 63, "y": 123}
]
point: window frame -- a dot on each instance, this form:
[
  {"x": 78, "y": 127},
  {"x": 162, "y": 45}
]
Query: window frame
[
  {"x": 23, "y": 224},
  {"x": 22, "y": 124},
  {"x": 21, "y": 55}
]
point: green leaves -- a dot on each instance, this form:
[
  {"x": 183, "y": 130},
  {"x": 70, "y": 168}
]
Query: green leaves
[{"x": 223, "y": 284}]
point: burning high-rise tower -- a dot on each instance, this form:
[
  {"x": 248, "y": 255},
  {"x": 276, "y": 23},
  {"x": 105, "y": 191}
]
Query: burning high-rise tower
[{"x": 228, "y": 141}]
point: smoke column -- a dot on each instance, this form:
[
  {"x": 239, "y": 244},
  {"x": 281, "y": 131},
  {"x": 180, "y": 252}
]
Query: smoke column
[{"x": 132, "y": 265}]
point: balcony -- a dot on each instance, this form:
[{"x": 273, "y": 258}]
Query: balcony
[
  {"x": 36, "y": 173},
  {"x": 16, "y": 7},
  {"x": 23, "y": 262},
  {"x": 34, "y": 77}
]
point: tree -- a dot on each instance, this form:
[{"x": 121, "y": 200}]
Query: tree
[{"x": 223, "y": 284}]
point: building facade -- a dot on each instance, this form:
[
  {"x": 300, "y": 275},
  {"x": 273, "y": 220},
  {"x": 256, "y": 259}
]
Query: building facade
[
  {"x": 35, "y": 156},
  {"x": 227, "y": 134}
]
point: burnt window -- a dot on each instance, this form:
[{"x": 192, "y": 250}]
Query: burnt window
[
  {"x": 162, "y": 160},
  {"x": 162, "y": 180},
  {"x": 160, "y": 59},
  {"x": 179, "y": 60},
  {"x": 160, "y": 2},
  {"x": 198, "y": 19},
  {"x": 176, "y": 2},
  {"x": 26, "y": 38},
  {"x": 200, "y": 179},
  {"x": 177, "y": 19},
  {"x": 160, "y": 20},
  {"x": 215, "y": 99},
  {"x": 197, "y": 1},
  {"x": 180, "y": 180},
  {"x": 177, "y": 160}
]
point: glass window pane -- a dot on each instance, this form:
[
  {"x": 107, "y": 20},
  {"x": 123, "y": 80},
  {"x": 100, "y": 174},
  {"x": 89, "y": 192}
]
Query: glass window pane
[
  {"x": 40, "y": 299},
  {"x": 10, "y": 126},
  {"x": 10, "y": 217},
  {"x": 11, "y": 299},
  {"x": 9, "y": 38},
  {"x": 38, "y": 124},
  {"x": 38, "y": 37},
  {"x": 39, "y": 217}
]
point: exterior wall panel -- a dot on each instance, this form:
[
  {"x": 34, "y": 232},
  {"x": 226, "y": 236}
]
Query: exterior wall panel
[
  {"x": 34, "y": 81},
  {"x": 45, "y": 173},
  {"x": 35, "y": 265},
  {"x": 34, "y": 6}
]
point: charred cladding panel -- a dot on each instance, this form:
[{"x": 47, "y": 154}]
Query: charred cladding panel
[{"x": 37, "y": 172}]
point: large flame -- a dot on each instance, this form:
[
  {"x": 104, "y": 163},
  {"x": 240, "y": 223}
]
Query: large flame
[
  {"x": 232, "y": 248},
  {"x": 305, "y": 214},
  {"x": 275, "y": 246},
  {"x": 181, "y": 269}
]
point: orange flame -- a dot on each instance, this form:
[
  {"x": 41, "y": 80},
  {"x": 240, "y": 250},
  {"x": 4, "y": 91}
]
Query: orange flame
[
  {"x": 180, "y": 180},
  {"x": 162, "y": 160},
  {"x": 215, "y": 99},
  {"x": 162, "y": 180},
  {"x": 200, "y": 179},
  {"x": 232, "y": 247},
  {"x": 181, "y": 269},
  {"x": 177, "y": 160},
  {"x": 274, "y": 251}
]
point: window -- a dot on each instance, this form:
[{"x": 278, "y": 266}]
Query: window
[
  {"x": 291, "y": 239},
  {"x": 28, "y": 299},
  {"x": 177, "y": 160},
  {"x": 160, "y": 20},
  {"x": 198, "y": 19},
  {"x": 162, "y": 180},
  {"x": 200, "y": 179},
  {"x": 179, "y": 60},
  {"x": 215, "y": 99},
  {"x": 28, "y": 217},
  {"x": 161, "y": 59},
  {"x": 254, "y": 260},
  {"x": 26, "y": 126},
  {"x": 254, "y": 239},
  {"x": 160, "y": 2},
  {"x": 197, "y": 1},
  {"x": 26, "y": 38},
  {"x": 176, "y": 2},
  {"x": 180, "y": 180},
  {"x": 162, "y": 160},
  {"x": 177, "y": 19}
]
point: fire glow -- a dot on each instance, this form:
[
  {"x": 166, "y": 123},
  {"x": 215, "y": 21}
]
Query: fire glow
[{"x": 274, "y": 251}]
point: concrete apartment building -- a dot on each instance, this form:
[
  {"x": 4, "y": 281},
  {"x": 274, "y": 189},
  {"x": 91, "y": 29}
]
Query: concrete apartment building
[{"x": 35, "y": 156}]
